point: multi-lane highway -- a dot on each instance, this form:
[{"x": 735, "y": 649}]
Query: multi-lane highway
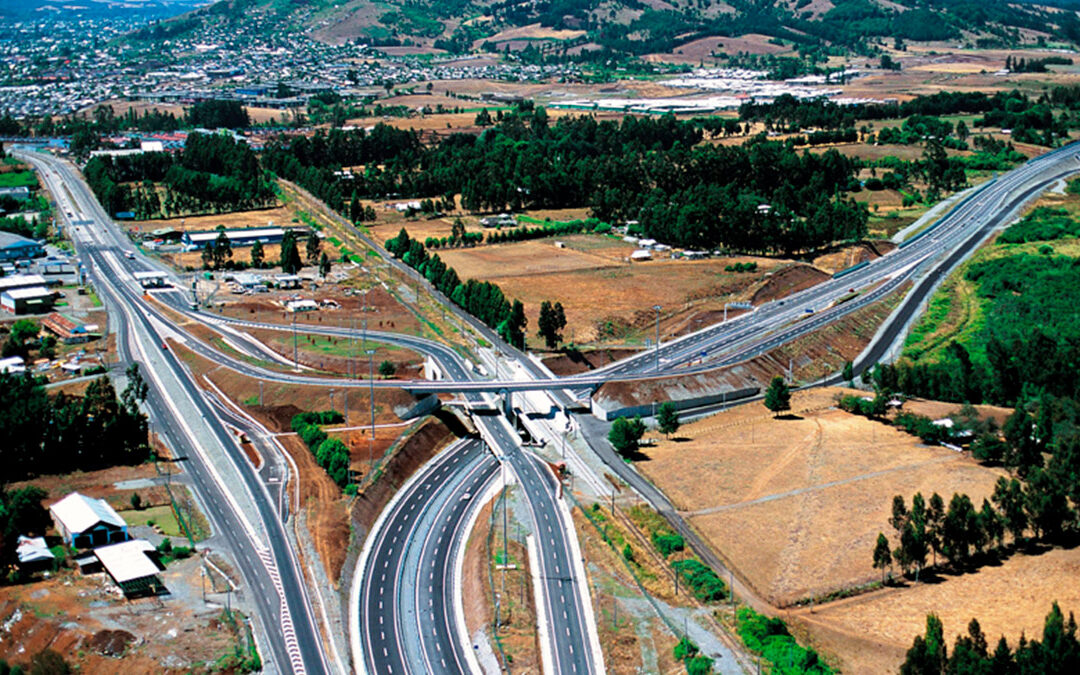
[
  {"x": 239, "y": 507},
  {"x": 563, "y": 600},
  {"x": 404, "y": 598}
]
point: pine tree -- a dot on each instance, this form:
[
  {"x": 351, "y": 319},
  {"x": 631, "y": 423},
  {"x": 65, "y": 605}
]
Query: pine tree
[
  {"x": 778, "y": 396},
  {"x": 882, "y": 555},
  {"x": 313, "y": 246},
  {"x": 324, "y": 266},
  {"x": 667, "y": 418},
  {"x": 290, "y": 254},
  {"x": 258, "y": 255}
]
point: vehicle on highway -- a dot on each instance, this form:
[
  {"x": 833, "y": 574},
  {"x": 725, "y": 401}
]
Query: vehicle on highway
[{"x": 130, "y": 255}]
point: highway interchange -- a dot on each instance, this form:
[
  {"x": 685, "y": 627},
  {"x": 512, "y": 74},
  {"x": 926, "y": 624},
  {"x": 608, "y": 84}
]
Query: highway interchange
[{"x": 444, "y": 492}]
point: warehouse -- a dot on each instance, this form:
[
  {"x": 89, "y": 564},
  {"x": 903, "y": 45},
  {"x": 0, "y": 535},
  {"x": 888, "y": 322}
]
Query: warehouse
[
  {"x": 14, "y": 247},
  {"x": 36, "y": 300},
  {"x": 245, "y": 236}
]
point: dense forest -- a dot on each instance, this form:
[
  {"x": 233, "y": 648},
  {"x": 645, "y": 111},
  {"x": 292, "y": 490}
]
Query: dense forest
[
  {"x": 1031, "y": 120},
  {"x": 213, "y": 174},
  {"x": 652, "y": 170},
  {"x": 94, "y": 431}
]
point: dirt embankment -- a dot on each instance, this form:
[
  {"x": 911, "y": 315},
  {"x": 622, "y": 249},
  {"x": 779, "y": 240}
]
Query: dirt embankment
[
  {"x": 786, "y": 281},
  {"x": 572, "y": 363},
  {"x": 421, "y": 446},
  {"x": 864, "y": 251}
]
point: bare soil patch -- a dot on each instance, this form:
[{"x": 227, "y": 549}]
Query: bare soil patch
[{"x": 579, "y": 362}]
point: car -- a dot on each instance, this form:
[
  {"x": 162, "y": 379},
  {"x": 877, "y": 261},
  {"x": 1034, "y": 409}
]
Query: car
[
  {"x": 164, "y": 347},
  {"x": 130, "y": 255}
]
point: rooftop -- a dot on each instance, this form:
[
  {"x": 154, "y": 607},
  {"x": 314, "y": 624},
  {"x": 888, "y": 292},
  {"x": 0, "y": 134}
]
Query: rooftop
[
  {"x": 128, "y": 560},
  {"x": 8, "y": 239},
  {"x": 79, "y": 513}
]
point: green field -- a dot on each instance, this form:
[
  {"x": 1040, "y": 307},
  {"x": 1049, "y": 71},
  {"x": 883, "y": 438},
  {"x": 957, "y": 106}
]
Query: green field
[{"x": 18, "y": 179}]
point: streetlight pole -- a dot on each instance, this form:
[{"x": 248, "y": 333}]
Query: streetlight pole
[
  {"x": 371, "y": 392},
  {"x": 296, "y": 362},
  {"x": 657, "y": 347}
]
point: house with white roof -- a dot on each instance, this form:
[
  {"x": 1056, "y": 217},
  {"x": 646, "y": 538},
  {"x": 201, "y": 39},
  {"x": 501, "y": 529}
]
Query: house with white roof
[{"x": 85, "y": 522}]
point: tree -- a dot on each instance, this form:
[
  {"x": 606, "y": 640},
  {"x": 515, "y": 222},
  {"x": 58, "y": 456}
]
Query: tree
[
  {"x": 290, "y": 253},
  {"x": 551, "y": 322},
  {"x": 849, "y": 372},
  {"x": 258, "y": 255},
  {"x": 1009, "y": 497},
  {"x": 927, "y": 655},
  {"x": 667, "y": 418},
  {"x": 313, "y": 246},
  {"x": 324, "y": 266},
  {"x": 47, "y": 350},
  {"x": 387, "y": 369},
  {"x": 778, "y": 396},
  {"x": 625, "y": 434},
  {"x": 222, "y": 248},
  {"x": 882, "y": 555},
  {"x": 208, "y": 256}
]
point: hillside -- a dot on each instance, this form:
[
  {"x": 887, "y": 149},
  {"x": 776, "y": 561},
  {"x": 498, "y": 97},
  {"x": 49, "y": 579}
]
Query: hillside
[{"x": 637, "y": 27}]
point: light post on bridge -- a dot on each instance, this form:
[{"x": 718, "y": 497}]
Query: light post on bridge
[{"x": 657, "y": 347}]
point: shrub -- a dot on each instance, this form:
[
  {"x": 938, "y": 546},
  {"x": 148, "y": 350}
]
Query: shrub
[
  {"x": 706, "y": 586},
  {"x": 668, "y": 543}
]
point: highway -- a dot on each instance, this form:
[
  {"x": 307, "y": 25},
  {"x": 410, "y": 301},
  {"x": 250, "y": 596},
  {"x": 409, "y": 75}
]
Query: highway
[
  {"x": 237, "y": 503},
  {"x": 406, "y": 600},
  {"x": 755, "y": 332}
]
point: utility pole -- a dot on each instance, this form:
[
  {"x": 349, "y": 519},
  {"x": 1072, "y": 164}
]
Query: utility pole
[
  {"x": 331, "y": 399},
  {"x": 296, "y": 362},
  {"x": 657, "y": 308},
  {"x": 371, "y": 390},
  {"x": 345, "y": 400}
]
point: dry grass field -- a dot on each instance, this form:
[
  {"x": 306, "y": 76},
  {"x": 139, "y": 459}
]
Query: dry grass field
[
  {"x": 871, "y": 633},
  {"x": 604, "y": 296},
  {"x": 796, "y": 504}
]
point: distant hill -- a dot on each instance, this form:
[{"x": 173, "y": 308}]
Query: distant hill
[{"x": 641, "y": 26}]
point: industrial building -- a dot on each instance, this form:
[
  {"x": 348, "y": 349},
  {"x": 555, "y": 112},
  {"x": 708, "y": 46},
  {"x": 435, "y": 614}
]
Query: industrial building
[
  {"x": 66, "y": 329},
  {"x": 15, "y": 247},
  {"x": 85, "y": 522},
  {"x": 246, "y": 236},
  {"x": 35, "y": 300}
]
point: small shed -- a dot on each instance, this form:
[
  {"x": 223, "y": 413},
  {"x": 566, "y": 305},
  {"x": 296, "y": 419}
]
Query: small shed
[
  {"x": 133, "y": 566},
  {"x": 641, "y": 255},
  {"x": 34, "y": 554}
]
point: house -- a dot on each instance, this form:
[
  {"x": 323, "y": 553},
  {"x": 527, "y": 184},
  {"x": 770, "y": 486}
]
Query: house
[
  {"x": 302, "y": 306},
  {"x": 28, "y": 300},
  {"x": 67, "y": 330},
  {"x": 133, "y": 566},
  {"x": 85, "y": 522},
  {"x": 15, "y": 247},
  {"x": 641, "y": 255},
  {"x": 13, "y": 365},
  {"x": 21, "y": 192},
  {"x": 501, "y": 220},
  {"x": 287, "y": 281},
  {"x": 33, "y": 554}
]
